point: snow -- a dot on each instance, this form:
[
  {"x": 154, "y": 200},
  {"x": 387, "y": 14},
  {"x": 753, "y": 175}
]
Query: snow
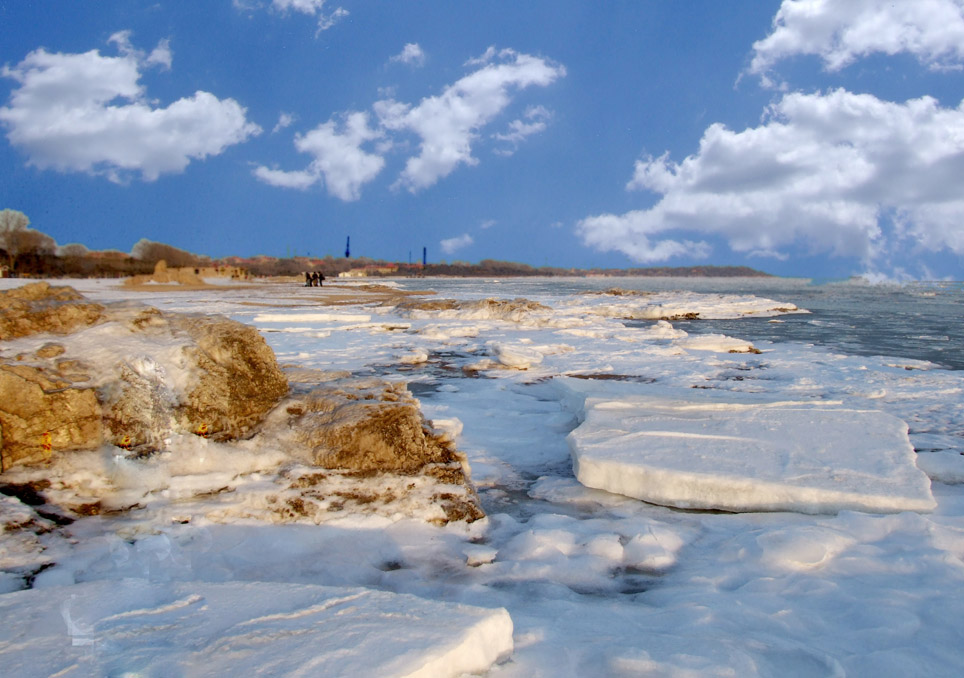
[
  {"x": 136, "y": 627},
  {"x": 733, "y": 456},
  {"x": 311, "y": 317},
  {"x": 943, "y": 466},
  {"x": 595, "y": 583}
]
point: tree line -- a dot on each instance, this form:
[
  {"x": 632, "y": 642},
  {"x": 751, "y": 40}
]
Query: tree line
[{"x": 27, "y": 252}]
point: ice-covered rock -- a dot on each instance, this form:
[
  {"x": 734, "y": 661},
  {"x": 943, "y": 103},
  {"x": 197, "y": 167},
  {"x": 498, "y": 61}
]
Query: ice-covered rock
[
  {"x": 513, "y": 310},
  {"x": 132, "y": 378},
  {"x": 748, "y": 456},
  {"x": 239, "y": 378},
  {"x": 39, "y": 308},
  {"x": 371, "y": 429},
  {"x": 516, "y": 356},
  {"x": 135, "y": 627}
]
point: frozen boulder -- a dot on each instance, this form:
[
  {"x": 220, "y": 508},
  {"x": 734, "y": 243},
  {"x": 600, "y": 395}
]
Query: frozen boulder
[
  {"x": 741, "y": 456},
  {"x": 184, "y": 373},
  {"x": 365, "y": 428},
  {"x": 134, "y": 627},
  {"x": 239, "y": 378},
  {"x": 128, "y": 376},
  {"x": 39, "y": 308}
]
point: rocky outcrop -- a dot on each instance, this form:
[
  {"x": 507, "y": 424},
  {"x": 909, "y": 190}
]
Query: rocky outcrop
[
  {"x": 42, "y": 413},
  {"x": 367, "y": 425},
  {"x": 214, "y": 377},
  {"x": 39, "y": 308},
  {"x": 234, "y": 381},
  {"x": 189, "y": 385},
  {"x": 240, "y": 379},
  {"x": 367, "y": 428}
]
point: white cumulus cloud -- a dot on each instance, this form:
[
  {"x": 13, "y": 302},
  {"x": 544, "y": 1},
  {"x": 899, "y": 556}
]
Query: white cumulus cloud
[
  {"x": 449, "y": 123},
  {"x": 841, "y": 31},
  {"x": 411, "y": 55},
  {"x": 87, "y": 112},
  {"x": 453, "y": 245},
  {"x": 339, "y": 162},
  {"x": 838, "y": 172}
]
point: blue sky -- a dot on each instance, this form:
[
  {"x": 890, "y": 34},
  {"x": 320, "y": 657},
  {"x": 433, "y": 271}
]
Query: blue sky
[{"x": 817, "y": 138}]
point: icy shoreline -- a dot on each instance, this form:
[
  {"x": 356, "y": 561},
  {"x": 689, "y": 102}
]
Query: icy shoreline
[{"x": 594, "y": 583}]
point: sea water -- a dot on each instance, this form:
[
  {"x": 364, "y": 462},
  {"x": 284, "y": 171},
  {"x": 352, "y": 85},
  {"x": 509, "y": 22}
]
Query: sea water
[{"x": 918, "y": 320}]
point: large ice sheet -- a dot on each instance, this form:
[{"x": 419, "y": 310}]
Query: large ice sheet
[
  {"x": 745, "y": 456},
  {"x": 135, "y": 627}
]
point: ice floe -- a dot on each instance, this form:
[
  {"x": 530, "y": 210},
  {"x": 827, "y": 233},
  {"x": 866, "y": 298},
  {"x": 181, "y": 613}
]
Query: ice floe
[
  {"x": 717, "y": 453},
  {"x": 137, "y": 627}
]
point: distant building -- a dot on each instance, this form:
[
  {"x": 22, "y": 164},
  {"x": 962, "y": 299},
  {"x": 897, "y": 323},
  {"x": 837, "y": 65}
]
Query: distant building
[{"x": 366, "y": 271}]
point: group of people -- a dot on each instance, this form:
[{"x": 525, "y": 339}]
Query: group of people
[{"x": 314, "y": 279}]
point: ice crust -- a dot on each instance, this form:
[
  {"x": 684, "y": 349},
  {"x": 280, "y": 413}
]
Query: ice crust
[
  {"x": 732, "y": 456},
  {"x": 596, "y": 583},
  {"x": 136, "y": 627}
]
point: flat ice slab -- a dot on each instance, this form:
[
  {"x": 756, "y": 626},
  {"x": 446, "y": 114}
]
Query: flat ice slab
[
  {"x": 744, "y": 456},
  {"x": 135, "y": 627}
]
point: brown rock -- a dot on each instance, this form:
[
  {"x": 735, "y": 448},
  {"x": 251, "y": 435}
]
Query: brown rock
[
  {"x": 376, "y": 437},
  {"x": 236, "y": 382},
  {"x": 50, "y": 350},
  {"x": 74, "y": 370},
  {"x": 368, "y": 426},
  {"x": 240, "y": 381},
  {"x": 370, "y": 429},
  {"x": 38, "y": 307},
  {"x": 41, "y": 414}
]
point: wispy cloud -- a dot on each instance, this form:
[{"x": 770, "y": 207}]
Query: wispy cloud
[
  {"x": 447, "y": 126},
  {"x": 313, "y": 8},
  {"x": 411, "y": 55},
  {"x": 285, "y": 120},
  {"x": 534, "y": 121},
  {"x": 453, "y": 245},
  {"x": 449, "y": 123}
]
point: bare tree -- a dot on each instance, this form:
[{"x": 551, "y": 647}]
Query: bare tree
[
  {"x": 152, "y": 252},
  {"x": 74, "y": 249},
  {"x": 17, "y": 238}
]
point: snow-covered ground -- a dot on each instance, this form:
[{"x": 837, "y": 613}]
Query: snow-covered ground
[{"x": 853, "y": 571}]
